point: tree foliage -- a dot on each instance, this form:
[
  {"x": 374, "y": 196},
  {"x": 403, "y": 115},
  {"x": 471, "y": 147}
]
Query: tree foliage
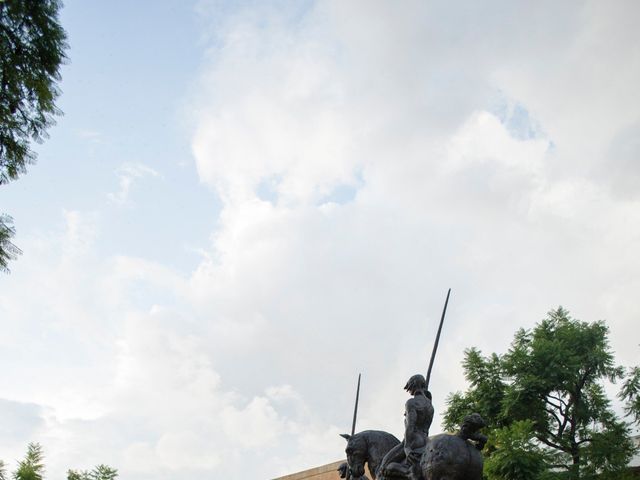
[
  {"x": 8, "y": 251},
  {"x": 545, "y": 402},
  {"x": 32, "y": 49},
  {"x": 32, "y": 466},
  {"x": 100, "y": 472},
  {"x": 631, "y": 394},
  {"x": 514, "y": 454}
]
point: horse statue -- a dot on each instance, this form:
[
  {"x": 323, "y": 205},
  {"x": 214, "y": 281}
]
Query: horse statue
[
  {"x": 370, "y": 447},
  {"x": 451, "y": 457},
  {"x": 419, "y": 456},
  {"x": 446, "y": 456},
  {"x": 344, "y": 472}
]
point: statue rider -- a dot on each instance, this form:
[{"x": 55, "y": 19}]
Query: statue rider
[{"x": 404, "y": 459}]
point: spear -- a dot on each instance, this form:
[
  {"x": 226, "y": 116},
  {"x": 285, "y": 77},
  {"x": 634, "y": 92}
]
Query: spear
[
  {"x": 355, "y": 408},
  {"x": 353, "y": 424},
  {"x": 435, "y": 345}
]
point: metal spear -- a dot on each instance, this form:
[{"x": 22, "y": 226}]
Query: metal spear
[
  {"x": 353, "y": 424},
  {"x": 355, "y": 408},
  {"x": 435, "y": 345}
]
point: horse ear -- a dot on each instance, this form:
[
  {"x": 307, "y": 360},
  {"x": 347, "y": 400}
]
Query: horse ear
[{"x": 346, "y": 436}]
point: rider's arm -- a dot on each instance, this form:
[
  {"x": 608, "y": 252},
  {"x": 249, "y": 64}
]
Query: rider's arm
[{"x": 411, "y": 417}]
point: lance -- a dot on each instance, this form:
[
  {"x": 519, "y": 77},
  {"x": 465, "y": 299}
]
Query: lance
[
  {"x": 353, "y": 424},
  {"x": 435, "y": 345},
  {"x": 355, "y": 408}
]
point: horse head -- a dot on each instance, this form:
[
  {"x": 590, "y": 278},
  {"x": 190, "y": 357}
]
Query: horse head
[{"x": 357, "y": 453}]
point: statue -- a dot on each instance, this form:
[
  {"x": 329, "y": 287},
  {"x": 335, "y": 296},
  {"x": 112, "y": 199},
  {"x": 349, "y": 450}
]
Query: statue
[
  {"x": 418, "y": 415},
  {"x": 368, "y": 447},
  {"x": 446, "y": 456},
  {"x": 469, "y": 430},
  {"x": 357, "y": 455},
  {"x": 418, "y": 456},
  {"x": 450, "y": 457},
  {"x": 343, "y": 470}
]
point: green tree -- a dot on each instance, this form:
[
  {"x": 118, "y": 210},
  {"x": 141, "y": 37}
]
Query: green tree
[
  {"x": 31, "y": 468},
  {"x": 631, "y": 394},
  {"x": 514, "y": 455},
  {"x": 552, "y": 379},
  {"x": 8, "y": 251},
  {"x": 77, "y": 475},
  {"x": 32, "y": 49},
  {"x": 104, "y": 472},
  {"x": 100, "y": 472}
]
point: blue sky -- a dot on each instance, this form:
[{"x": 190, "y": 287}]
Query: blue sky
[
  {"x": 130, "y": 72},
  {"x": 248, "y": 203}
]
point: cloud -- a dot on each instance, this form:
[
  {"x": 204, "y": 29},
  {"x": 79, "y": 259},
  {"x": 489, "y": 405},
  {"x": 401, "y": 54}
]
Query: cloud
[
  {"x": 128, "y": 174},
  {"x": 19, "y": 420},
  {"x": 462, "y": 132},
  {"x": 114, "y": 381}
]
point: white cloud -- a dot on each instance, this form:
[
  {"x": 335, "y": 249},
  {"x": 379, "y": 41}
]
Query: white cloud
[
  {"x": 450, "y": 193},
  {"x": 128, "y": 174},
  {"x": 257, "y": 425}
]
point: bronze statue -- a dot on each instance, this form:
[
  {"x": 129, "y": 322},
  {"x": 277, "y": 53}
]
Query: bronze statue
[
  {"x": 469, "y": 430},
  {"x": 419, "y": 456},
  {"x": 345, "y": 472},
  {"x": 450, "y": 457},
  {"x": 418, "y": 415},
  {"x": 370, "y": 447}
]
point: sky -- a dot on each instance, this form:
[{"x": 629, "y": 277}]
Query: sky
[{"x": 247, "y": 203}]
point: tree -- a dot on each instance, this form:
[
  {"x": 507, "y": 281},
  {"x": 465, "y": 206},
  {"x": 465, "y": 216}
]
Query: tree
[
  {"x": 31, "y": 468},
  {"x": 32, "y": 46},
  {"x": 32, "y": 49},
  {"x": 631, "y": 394},
  {"x": 100, "y": 472},
  {"x": 104, "y": 472},
  {"x": 545, "y": 402},
  {"x": 8, "y": 251},
  {"x": 515, "y": 455}
]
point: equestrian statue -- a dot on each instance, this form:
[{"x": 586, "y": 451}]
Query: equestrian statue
[{"x": 418, "y": 456}]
